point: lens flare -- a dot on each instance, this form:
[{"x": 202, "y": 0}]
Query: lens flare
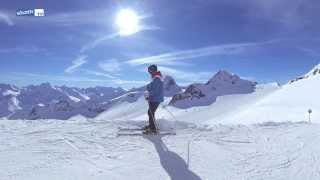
[{"x": 127, "y": 21}]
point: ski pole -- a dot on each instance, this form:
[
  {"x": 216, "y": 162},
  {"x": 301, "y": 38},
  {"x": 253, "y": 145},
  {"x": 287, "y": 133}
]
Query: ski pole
[{"x": 174, "y": 118}]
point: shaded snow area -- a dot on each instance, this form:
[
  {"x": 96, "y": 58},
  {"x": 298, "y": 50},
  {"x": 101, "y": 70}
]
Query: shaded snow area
[{"x": 82, "y": 149}]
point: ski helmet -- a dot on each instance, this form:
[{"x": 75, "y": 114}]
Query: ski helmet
[{"x": 152, "y": 68}]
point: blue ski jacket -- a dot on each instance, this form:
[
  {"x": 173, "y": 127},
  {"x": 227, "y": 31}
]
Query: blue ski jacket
[{"x": 155, "y": 89}]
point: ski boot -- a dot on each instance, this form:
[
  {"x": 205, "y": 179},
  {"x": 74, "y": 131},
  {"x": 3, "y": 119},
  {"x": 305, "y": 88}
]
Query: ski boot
[{"x": 150, "y": 131}]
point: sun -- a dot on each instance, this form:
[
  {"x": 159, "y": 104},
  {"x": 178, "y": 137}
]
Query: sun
[{"x": 127, "y": 21}]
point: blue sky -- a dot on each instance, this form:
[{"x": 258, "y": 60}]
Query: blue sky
[{"x": 77, "y": 44}]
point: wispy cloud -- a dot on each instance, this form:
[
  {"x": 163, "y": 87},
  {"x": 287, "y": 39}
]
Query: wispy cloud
[
  {"x": 131, "y": 83},
  {"x": 74, "y": 80},
  {"x": 100, "y": 40},
  {"x": 6, "y": 18},
  {"x": 97, "y": 41},
  {"x": 310, "y": 52},
  {"x": 76, "y": 64},
  {"x": 97, "y": 73},
  {"x": 111, "y": 65},
  {"x": 228, "y": 49},
  {"x": 97, "y": 17},
  {"x": 61, "y": 78},
  {"x": 186, "y": 76},
  {"x": 30, "y": 49},
  {"x": 290, "y": 13}
]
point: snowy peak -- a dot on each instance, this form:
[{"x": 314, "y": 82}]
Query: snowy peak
[
  {"x": 223, "y": 76},
  {"x": 222, "y": 83},
  {"x": 170, "y": 86},
  {"x": 8, "y": 90},
  {"x": 57, "y": 102},
  {"x": 8, "y": 99},
  {"x": 314, "y": 72}
]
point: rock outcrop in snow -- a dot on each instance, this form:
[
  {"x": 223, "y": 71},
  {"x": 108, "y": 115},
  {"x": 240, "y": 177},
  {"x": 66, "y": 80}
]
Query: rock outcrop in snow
[
  {"x": 313, "y": 73},
  {"x": 222, "y": 83}
]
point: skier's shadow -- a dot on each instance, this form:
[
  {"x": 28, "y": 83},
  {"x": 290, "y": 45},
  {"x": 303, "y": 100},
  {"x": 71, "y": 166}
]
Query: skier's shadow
[{"x": 174, "y": 165}]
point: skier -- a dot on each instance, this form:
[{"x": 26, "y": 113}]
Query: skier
[{"x": 154, "y": 96}]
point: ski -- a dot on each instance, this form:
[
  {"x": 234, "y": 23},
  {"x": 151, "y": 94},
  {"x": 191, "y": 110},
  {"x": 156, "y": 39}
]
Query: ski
[
  {"x": 141, "y": 133},
  {"x": 130, "y": 129},
  {"x": 139, "y": 129}
]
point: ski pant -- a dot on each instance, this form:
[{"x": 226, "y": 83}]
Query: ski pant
[{"x": 152, "y": 109}]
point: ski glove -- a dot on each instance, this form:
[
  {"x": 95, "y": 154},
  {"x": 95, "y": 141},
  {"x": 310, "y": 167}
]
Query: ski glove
[{"x": 146, "y": 95}]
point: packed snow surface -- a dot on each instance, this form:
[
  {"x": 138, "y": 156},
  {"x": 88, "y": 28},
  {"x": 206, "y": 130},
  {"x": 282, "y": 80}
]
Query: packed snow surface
[{"x": 82, "y": 149}]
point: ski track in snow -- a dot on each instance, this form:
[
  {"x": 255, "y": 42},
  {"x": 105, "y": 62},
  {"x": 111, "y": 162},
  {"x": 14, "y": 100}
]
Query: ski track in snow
[{"x": 66, "y": 150}]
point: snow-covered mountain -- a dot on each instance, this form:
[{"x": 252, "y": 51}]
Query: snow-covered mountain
[
  {"x": 290, "y": 103},
  {"x": 170, "y": 87},
  {"x": 315, "y": 72},
  {"x": 222, "y": 83},
  {"x": 8, "y": 99},
  {"x": 45, "y": 101},
  {"x": 267, "y": 103},
  {"x": 222, "y": 90}
]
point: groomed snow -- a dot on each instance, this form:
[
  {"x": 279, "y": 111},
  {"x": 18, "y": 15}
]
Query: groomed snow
[
  {"x": 90, "y": 149},
  {"x": 290, "y": 103}
]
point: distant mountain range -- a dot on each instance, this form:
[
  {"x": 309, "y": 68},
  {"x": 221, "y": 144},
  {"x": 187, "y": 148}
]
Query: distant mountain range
[{"x": 45, "y": 101}]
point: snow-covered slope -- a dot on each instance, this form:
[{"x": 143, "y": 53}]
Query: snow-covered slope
[
  {"x": 223, "y": 107},
  {"x": 222, "y": 83},
  {"x": 82, "y": 150},
  {"x": 290, "y": 103}
]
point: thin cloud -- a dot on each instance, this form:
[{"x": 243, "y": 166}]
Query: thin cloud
[
  {"x": 96, "y": 42},
  {"x": 134, "y": 83},
  {"x": 97, "y": 73},
  {"x": 62, "y": 79},
  {"x": 23, "y": 50},
  {"x": 111, "y": 65},
  {"x": 287, "y": 12},
  {"x": 185, "y": 75},
  {"x": 6, "y": 18},
  {"x": 98, "y": 17},
  {"x": 76, "y": 64},
  {"x": 310, "y": 52},
  {"x": 228, "y": 49}
]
